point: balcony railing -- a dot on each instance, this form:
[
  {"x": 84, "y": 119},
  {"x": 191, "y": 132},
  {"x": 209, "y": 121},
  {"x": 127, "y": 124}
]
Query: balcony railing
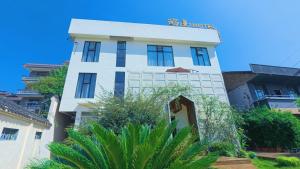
[
  {"x": 28, "y": 92},
  {"x": 291, "y": 97}
]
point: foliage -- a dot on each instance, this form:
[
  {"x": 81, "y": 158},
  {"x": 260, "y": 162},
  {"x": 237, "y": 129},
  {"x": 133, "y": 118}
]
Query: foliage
[
  {"x": 288, "y": 161},
  {"x": 298, "y": 102},
  {"x": 268, "y": 164},
  {"x": 217, "y": 120},
  {"x": 223, "y": 149},
  {"x": 53, "y": 84},
  {"x": 137, "y": 146},
  {"x": 136, "y": 108},
  {"x": 251, "y": 154},
  {"x": 242, "y": 154},
  {"x": 271, "y": 128}
]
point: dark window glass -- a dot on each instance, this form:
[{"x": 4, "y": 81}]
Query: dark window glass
[
  {"x": 121, "y": 54},
  {"x": 9, "y": 134},
  {"x": 38, "y": 135},
  {"x": 160, "y": 55},
  {"x": 200, "y": 56},
  {"x": 86, "y": 85},
  {"x": 119, "y": 84},
  {"x": 91, "y": 51}
]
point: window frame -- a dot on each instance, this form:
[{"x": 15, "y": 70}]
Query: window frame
[
  {"x": 38, "y": 135},
  {"x": 200, "y": 57},
  {"x": 118, "y": 83},
  {"x": 159, "y": 49},
  {"x": 86, "y": 50},
  {"x": 12, "y": 134},
  {"x": 79, "y": 93},
  {"x": 121, "y": 57}
]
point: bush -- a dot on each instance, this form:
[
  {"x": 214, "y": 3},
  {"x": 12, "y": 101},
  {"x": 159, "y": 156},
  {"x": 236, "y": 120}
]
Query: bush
[
  {"x": 223, "y": 149},
  {"x": 242, "y": 154},
  {"x": 288, "y": 161},
  {"x": 251, "y": 154},
  {"x": 271, "y": 129}
]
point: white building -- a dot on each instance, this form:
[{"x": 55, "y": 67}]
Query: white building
[
  {"x": 24, "y": 136},
  {"x": 119, "y": 56}
]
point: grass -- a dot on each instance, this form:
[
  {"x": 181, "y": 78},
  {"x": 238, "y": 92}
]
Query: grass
[{"x": 268, "y": 164}]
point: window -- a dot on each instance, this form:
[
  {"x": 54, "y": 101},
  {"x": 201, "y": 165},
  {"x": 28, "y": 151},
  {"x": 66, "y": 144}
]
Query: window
[
  {"x": 200, "y": 56},
  {"x": 160, "y": 55},
  {"x": 119, "y": 84},
  {"x": 38, "y": 135},
  {"x": 121, "y": 54},
  {"x": 86, "y": 85},
  {"x": 91, "y": 51},
  {"x": 260, "y": 94},
  {"x": 9, "y": 134}
]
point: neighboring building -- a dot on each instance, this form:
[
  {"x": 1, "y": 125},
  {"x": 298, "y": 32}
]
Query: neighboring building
[
  {"x": 22, "y": 135},
  {"x": 27, "y": 98},
  {"x": 121, "y": 56},
  {"x": 273, "y": 86}
]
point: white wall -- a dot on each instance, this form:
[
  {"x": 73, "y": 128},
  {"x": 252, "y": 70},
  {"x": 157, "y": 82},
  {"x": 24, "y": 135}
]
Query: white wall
[
  {"x": 136, "y": 61},
  {"x": 15, "y": 154},
  {"x": 102, "y": 29}
]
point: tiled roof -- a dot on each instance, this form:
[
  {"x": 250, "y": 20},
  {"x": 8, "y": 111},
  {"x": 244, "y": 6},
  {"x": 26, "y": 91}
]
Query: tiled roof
[
  {"x": 11, "y": 107},
  {"x": 275, "y": 70}
]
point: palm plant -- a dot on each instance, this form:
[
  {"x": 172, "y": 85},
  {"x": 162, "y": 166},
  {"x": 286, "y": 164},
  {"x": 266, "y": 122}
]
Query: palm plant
[{"x": 137, "y": 147}]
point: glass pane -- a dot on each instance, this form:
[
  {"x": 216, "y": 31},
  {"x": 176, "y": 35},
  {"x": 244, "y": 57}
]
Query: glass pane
[
  {"x": 90, "y": 56},
  {"x": 92, "y": 85},
  {"x": 160, "y": 59},
  {"x": 152, "y": 58},
  {"x": 85, "y": 90},
  {"x": 119, "y": 84},
  {"x": 205, "y": 57},
  {"x": 169, "y": 61},
  {"x": 167, "y": 49},
  {"x": 121, "y": 54},
  {"x": 79, "y": 85},
  {"x": 92, "y": 46},
  {"x": 194, "y": 56},
  {"x": 85, "y": 51},
  {"x": 97, "y": 53},
  {"x": 152, "y": 48},
  {"x": 87, "y": 78}
]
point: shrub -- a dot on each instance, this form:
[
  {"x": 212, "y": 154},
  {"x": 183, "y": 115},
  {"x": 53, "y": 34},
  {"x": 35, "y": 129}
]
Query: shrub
[
  {"x": 223, "y": 149},
  {"x": 242, "y": 154},
  {"x": 271, "y": 128},
  {"x": 288, "y": 161},
  {"x": 251, "y": 154},
  {"x": 138, "y": 146}
]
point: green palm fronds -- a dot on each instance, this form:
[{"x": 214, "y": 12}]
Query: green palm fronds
[{"x": 137, "y": 147}]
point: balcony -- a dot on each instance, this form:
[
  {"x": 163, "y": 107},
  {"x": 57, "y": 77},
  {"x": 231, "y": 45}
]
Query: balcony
[
  {"x": 30, "y": 79},
  {"x": 30, "y": 93}
]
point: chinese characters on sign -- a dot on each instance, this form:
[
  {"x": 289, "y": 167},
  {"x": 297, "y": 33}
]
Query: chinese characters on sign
[{"x": 184, "y": 23}]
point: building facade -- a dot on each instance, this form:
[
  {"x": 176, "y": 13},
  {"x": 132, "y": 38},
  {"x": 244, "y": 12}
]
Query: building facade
[
  {"x": 272, "y": 86},
  {"x": 24, "y": 136},
  {"x": 29, "y": 99},
  {"x": 118, "y": 57}
]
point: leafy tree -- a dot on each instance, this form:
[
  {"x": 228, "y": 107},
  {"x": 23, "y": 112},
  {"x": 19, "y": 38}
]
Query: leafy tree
[
  {"x": 216, "y": 118},
  {"x": 53, "y": 84},
  {"x": 138, "y": 147},
  {"x": 137, "y": 108},
  {"x": 272, "y": 128}
]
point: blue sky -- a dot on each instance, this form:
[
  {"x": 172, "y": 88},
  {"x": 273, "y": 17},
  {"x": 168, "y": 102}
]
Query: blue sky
[{"x": 252, "y": 31}]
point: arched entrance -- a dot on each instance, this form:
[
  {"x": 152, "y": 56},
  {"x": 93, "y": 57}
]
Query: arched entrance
[{"x": 183, "y": 111}]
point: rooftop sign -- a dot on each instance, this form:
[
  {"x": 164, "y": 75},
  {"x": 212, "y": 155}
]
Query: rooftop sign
[{"x": 185, "y": 23}]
